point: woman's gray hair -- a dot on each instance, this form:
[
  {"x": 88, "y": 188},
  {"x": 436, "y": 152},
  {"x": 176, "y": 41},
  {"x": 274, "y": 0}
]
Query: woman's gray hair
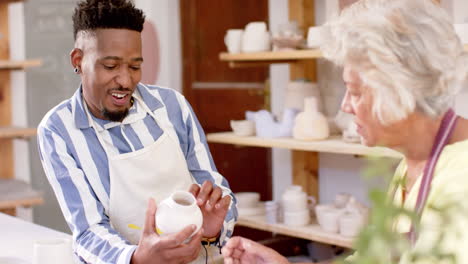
[{"x": 406, "y": 52}]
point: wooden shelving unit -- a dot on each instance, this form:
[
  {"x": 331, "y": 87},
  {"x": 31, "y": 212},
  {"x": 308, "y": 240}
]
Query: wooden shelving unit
[
  {"x": 331, "y": 145},
  {"x": 13, "y": 193},
  {"x": 304, "y": 154},
  {"x": 19, "y": 65},
  {"x": 17, "y": 132},
  {"x": 312, "y": 231}
]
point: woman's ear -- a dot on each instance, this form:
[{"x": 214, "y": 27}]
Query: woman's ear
[{"x": 76, "y": 57}]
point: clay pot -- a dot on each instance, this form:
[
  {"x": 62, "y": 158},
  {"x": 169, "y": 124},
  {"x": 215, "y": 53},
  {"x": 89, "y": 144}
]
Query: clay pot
[{"x": 177, "y": 212}]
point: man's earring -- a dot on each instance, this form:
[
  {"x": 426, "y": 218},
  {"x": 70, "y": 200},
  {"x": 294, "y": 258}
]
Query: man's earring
[{"x": 76, "y": 70}]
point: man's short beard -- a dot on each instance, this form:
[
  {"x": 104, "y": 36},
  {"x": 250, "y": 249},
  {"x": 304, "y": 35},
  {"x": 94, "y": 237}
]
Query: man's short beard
[{"x": 114, "y": 116}]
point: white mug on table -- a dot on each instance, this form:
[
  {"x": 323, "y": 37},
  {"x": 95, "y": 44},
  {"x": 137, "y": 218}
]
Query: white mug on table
[{"x": 53, "y": 251}]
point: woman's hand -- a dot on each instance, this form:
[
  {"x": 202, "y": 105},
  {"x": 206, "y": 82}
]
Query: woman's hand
[{"x": 239, "y": 250}]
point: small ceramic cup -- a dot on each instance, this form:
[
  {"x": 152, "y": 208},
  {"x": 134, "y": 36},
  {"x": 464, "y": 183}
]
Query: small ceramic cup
[
  {"x": 300, "y": 218},
  {"x": 328, "y": 217},
  {"x": 243, "y": 128},
  {"x": 272, "y": 212},
  {"x": 233, "y": 40},
  {"x": 351, "y": 224},
  {"x": 53, "y": 251}
]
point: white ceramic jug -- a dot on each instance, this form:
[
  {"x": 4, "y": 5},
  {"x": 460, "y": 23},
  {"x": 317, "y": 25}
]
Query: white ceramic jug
[
  {"x": 177, "y": 212},
  {"x": 311, "y": 124}
]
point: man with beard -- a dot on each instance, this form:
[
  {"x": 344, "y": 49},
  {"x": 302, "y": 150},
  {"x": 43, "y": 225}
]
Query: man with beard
[{"x": 117, "y": 147}]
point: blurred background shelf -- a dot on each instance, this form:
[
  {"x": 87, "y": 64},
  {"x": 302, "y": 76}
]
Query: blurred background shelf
[
  {"x": 250, "y": 59},
  {"x": 331, "y": 145},
  {"x": 311, "y": 232},
  {"x": 14, "y": 193},
  {"x": 17, "y": 132},
  {"x": 19, "y": 65},
  {"x": 272, "y": 55}
]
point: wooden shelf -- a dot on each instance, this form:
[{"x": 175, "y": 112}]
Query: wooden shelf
[
  {"x": 19, "y": 65},
  {"x": 268, "y": 57},
  {"x": 17, "y": 132},
  {"x": 331, "y": 145},
  {"x": 311, "y": 232},
  {"x": 15, "y": 193}
]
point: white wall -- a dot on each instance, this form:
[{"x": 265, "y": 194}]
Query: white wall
[
  {"x": 458, "y": 9},
  {"x": 166, "y": 17},
  {"x": 279, "y": 78}
]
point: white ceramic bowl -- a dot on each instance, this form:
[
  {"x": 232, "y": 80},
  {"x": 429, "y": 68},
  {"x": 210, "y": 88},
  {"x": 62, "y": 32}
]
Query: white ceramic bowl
[
  {"x": 300, "y": 218},
  {"x": 247, "y": 199},
  {"x": 243, "y": 128}
]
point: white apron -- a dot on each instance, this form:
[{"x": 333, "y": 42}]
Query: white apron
[{"x": 154, "y": 171}]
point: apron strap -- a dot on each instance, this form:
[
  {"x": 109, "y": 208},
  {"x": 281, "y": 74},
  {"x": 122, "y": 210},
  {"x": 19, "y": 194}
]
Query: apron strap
[{"x": 446, "y": 129}]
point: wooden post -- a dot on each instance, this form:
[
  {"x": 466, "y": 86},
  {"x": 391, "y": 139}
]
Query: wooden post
[
  {"x": 6, "y": 146},
  {"x": 305, "y": 164}
]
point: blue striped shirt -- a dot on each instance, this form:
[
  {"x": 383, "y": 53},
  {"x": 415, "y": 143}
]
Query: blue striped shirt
[{"x": 76, "y": 165}]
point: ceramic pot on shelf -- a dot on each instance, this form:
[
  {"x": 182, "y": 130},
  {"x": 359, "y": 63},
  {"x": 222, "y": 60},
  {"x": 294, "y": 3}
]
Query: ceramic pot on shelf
[
  {"x": 177, "y": 212},
  {"x": 311, "y": 124},
  {"x": 255, "y": 38}
]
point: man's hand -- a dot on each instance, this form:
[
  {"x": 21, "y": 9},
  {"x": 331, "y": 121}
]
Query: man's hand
[
  {"x": 214, "y": 207},
  {"x": 168, "y": 249},
  {"x": 239, "y": 250}
]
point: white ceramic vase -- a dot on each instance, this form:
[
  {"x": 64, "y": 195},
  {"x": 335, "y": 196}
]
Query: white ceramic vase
[
  {"x": 311, "y": 124},
  {"x": 177, "y": 212}
]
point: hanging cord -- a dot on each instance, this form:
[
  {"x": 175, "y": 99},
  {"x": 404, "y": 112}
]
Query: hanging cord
[
  {"x": 206, "y": 254},
  {"x": 214, "y": 242}
]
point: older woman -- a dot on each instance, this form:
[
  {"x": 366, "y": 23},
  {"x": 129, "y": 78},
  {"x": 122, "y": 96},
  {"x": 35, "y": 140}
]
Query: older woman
[{"x": 403, "y": 65}]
